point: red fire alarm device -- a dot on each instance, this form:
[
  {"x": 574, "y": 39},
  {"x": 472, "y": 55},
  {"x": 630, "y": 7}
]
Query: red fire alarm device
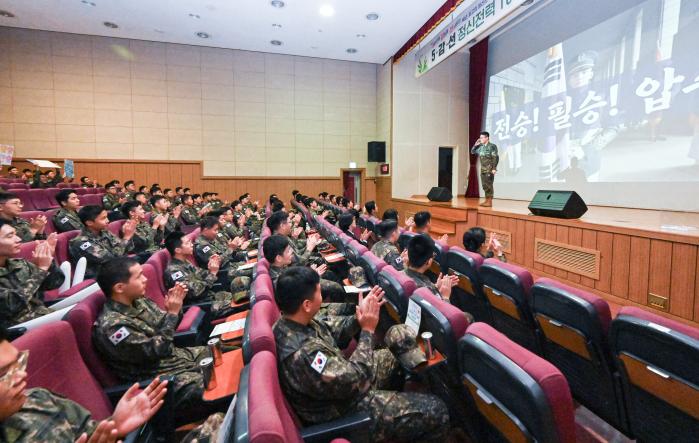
[{"x": 384, "y": 169}]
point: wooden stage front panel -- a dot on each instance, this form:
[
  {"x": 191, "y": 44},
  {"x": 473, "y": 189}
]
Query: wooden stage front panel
[{"x": 642, "y": 258}]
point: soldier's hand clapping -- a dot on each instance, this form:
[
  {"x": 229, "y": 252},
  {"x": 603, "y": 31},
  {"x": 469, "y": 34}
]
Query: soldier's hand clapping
[
  {"x": 365, "y": 235},
  {"x": 320, "y": 269},
  {"x": 368, "y": 310},
  {"x": 52, "y": 240},
  {"x": 37, "y": 224},
  {"x": 297, "y": 232},
  {"x": 136, "y": 407},
  {"x": 214, "y": 264},
  {"x": 444, "y": 238},
  {"x": 175, "y": 298},
  {"x": 42, "y": 256},
  {"x": 409, "y": 222},
  {"x": 129, "y": 229},
  {"x": 235, "y": 243}
]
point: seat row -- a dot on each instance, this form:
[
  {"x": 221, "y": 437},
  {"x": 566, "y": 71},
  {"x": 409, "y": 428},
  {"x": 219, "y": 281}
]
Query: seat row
[{"x": 45, "y": 199}]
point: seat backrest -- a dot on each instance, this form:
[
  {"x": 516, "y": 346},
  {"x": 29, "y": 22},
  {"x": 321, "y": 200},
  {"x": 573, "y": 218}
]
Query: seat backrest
[
  {"x": 518, "y": 393},
  {"x": 658, "y": 360},
  {"x": 55, "y": 364},
  {"x": 26, "y": 199},
  {"x": 354, "y": 250},
  {"x": 115, "y": 227},
  {"x": 28, "y": 215},
  {"x": 82, "y": 319},
  {"x": 49, "y": 221},
  {"x": 446, "y": 322},
  {"x": 81, "y": 191},
  {"x": 398, "y": 288},
  {"x": 26, "y": 250},
  {"x": 62, "y": 252},
  {"x": 160, "y": 260},
  {"x": 270, "y": 419},
  {"x": 41, "y": 199},
  {"x": 404, "y": 238},
  {"x": 74, "y": 185},
  {"x": 260, "y": 336},
  {"x": 372, "y": 265},
  {"x": 153, "y": 290},
  {"x": 63, "y": 185},
  {"x": 468, "y": 294},
  {"x": 15, "y": 186},
  {"x": 263, "y": 288}
]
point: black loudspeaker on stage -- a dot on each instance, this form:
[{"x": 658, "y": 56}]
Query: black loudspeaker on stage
[
  {"x": 376, "y": 152},
  {"x": 559, "y": 204},
  {"x": 438, "y": 194}
]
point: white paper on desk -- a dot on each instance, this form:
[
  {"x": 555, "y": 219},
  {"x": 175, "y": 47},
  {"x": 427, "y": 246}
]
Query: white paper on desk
[
  {"x": 414, "y": 316},
  {"x": 334, "y": 256},
  {"x": 229, "y": 326},
  {"x": 356, "y": 290},
  {"x": 43, "y": 163},
  {"x": 246, "y": 266}
]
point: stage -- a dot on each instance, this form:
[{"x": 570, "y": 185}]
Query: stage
[{"x": 628, "y": 256}]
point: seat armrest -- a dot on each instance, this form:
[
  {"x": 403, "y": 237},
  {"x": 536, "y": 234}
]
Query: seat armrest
[
  {"x": 241, "y": 430},
  {"x": 354, "y": 427},
  {"x": 15, "y": 332}
]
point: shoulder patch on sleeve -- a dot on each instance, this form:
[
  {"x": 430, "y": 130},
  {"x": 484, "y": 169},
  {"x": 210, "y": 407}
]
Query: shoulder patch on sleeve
[
  {"x": 119, "y": 335},
  {"x": 176, "y": 275},
  {"x": 319, "y": 362},
  {"x": 85, "y": 245}
]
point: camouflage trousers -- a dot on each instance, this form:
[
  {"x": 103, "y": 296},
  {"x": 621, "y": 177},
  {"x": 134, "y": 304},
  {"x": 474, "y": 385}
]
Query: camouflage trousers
[
  {"x": 206, "y": 432},
  {"x": 487, "y": 180},
  {"x": 337, "y": 309},
  {"x": 402, "y": 416},
  {"x": 188, "y": 388}
]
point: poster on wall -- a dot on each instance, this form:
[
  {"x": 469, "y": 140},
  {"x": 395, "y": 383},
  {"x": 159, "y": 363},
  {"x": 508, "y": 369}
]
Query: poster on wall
[
  {"x": 68, "y": 168},
  {"x": 472, "y": 22},
  {"x": 6, "y": 154}
]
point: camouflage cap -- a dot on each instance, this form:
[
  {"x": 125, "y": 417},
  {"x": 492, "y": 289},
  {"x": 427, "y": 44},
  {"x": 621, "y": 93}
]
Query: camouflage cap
[
  {"x": 357, "y": 276},
  {"x": 400, "y": 340}
]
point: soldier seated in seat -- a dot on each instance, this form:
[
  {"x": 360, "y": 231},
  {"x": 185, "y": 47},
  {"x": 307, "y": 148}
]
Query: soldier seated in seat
[
  {"x": 322, "y": 385},
  {"x": 386, "y": 248},
  {"x": 22, "y": 282},
  {"x": 232, "y": 253},
  {"x": 10, "y": 208},
  {"x": 67, "y": 219}
]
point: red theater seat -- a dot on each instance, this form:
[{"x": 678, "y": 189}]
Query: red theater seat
[
  {"x": 468, "y": 295},
  {"x": 258, "y": 332},
  {"x": 398, "y": 288},
  {"x": 519, "y": 395}
]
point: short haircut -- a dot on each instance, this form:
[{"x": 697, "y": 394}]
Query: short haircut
[
  {"x": 174, "y": 241},
  {"x": 338, "y": 200},
  {"x": 129, "y": 206},
  {"x": 143, "y": 189},
  {"x": 390, "y": 214},
  {"x": 156, "y": 198},
  {"x": 294, "y": 192},
  {"x": 277, "y": 219},
  {"x": 235, "y": 203},
  {"x": 111, "y": 184},
  {"x": 298, "y": 197},
  {"x": 344, "y": 221},
  {"x": 370, "y": 207},
  {"x": 387, "y": 227},
  {"x": 422, "y": 218},
  {"x": 242, "y": 197},
  {"x": 7, "y": 196},
  {"x": 278, "y": 206},
  {"x": 186, "y": 197},
  {"x": 216, "y": 213},
  {"x": 420, "y": 250},
  {"x": 195, "y": 196},
  {"x": 63, "y": 195},
  {"x": 167, "y": 190},
  {"x": 89, "y": 213},
  {"x": 186, "y": 190},
  {"x": 208, "y": 222},
  {"x": 273, "y": 246},
  {"x": 205, "y": 194},
  {"x": 138, "y": 194},
  {"x": 129, "y": 182},
  {"x": 4, "y": 222},
  {"x": 294, "y": 286},
  {"x": 486, "y": 133},
  {"x": 113, "y": 271},
  {"x": 178, "y": 188},
  {"x": 29, "y": 170},
  {"x": 473, "y": 239}
]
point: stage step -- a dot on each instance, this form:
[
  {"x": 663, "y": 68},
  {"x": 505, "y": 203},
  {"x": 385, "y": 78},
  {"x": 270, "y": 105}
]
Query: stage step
[{"x": 441, "y": 226}]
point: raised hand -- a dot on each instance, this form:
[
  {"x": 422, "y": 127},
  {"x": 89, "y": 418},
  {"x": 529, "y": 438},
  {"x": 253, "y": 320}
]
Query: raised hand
[
  {"x": 129, "y": 229},
  {"x": 37, "y": 224},
  {"x": 175, "y": 298},
  {"x": 177, "y": 211},
  {"x": 444, "y": 238},
  {"x": 42, "y": 256},
  {"x": 12, "y": 395},
  {"x": 105, "y": 432},
  {"x": 320, "y": 269},
  {"x": 235, "y": 243},
  {"x": 136, "y": 407},
  {"x": 214, "y": 264},
  {"x": 409, "y": 222},
  {"x": 367, "y": 312},
  {"x": 365, "y": 235},
  {"x": 297, "y": 231},
  {"x": 52, "y": 240}
]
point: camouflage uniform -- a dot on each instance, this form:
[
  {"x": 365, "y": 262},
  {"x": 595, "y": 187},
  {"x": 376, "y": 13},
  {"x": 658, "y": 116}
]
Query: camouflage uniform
[
  {"x": 330, "y": 290},
  {"x": 230, "y": 260},
  {"x": 422, "y": 281},
  {"x": 200, "y": 283},
  {"x": 47, "y": 417},
  {"x": 110, "y": 201},
  {"x": 189, "y": 216},
  {"x": 97, "y": 248},
  {"x": 23, "y": 230},
  {"x": 21, "y": 287},
  {"x": 136, "y": 343},
  {"x": 66, "y": 220},
  {"x": 172, "y": 224},
  {"x": 488, "y": 154},
  {"x": 321, "y": 385},
  {"x": 388, "y": 252},
  {"x": 206, "y": 432},
  {"x": 145, "y": 239}
]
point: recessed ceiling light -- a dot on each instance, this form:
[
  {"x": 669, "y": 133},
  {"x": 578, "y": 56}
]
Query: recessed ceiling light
[
  {"x": 351, "y": 51},
  {"x": 110, "y": 25},
  {"x": 88, "y": 3},
  {"x": 6, "y": 14},
  {"x": 202, "y": 34},
  {"x": 276, "y": 25},
  {"x": 197, "y": 16},
  {"x": 361, "y": 35},
  {"x": 372, "y": 16},
  {"x": 159, "y": 31},
  {"x": 277, "y": 3},
  {"x": 326, "y": 11},
  {"x": 314, "y": 47},
  {"x": 276, "y": 42}
]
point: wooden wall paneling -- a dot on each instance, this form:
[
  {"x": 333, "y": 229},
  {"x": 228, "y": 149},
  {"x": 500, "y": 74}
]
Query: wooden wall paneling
[
  {"x": 605, "y": 244},
  {"x": 529, "y": 234},
  {"x": 139, "y": 174},
  {"x": 621, "y": 261},
  {"x": 539, "y": 232},
  {"x": 520, "y": 236},
  {"x": 575, "y": 239},
  {"x": 127, "y": 171},
  {"x": 639, "y": 269},
  {"x": 682, "y": 280},
  {"x": 562, "y": 237},
  {"x": 550, "y": 234},
  {"x": 589, "y": 241},
  {"x": 696, "y": 294},
  {"x": 660, "y": 268}
]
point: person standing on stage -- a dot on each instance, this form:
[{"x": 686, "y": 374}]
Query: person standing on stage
[{"x": 488, "y": 152}]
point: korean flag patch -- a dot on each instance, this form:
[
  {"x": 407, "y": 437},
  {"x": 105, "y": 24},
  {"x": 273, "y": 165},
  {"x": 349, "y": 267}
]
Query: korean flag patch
[
  {"x": 119, "y": 335},
  {"x": 319, "y": 362},
  {"x": 64, "y": 219},
  {"x": 176, "y": 275},
  {"x": 85, "y": 245},
  {"x": 206, "y": 249}
]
